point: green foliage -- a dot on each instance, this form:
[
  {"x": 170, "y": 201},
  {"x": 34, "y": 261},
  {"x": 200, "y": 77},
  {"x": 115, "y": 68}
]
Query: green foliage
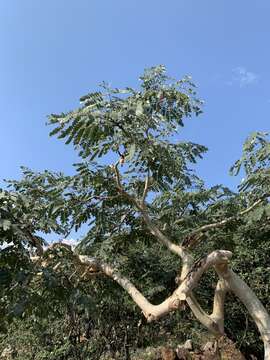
[
  {"x": 138, "y": 124},
  {"x": 137, "y": 129},
  {"x": 255, "y": 162}
]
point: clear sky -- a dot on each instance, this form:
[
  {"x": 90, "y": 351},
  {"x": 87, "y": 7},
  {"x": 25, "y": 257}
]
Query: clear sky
[{"x": 54, "y": 51}]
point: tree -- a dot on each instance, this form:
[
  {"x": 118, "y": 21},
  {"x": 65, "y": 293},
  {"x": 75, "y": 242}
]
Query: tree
[{"x": 137, "y": 190}]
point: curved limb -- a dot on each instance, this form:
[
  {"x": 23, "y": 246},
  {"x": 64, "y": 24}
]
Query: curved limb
[
  {"x": 254, "y": 307},
  {"x": 173, "y": 302}
]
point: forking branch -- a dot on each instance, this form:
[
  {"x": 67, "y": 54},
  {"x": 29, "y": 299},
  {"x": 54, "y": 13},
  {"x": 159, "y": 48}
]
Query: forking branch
[
  {"x": 196, "y": 235},
  {"x": 173, "y": 302},
  {"x": 153, "y": 228}
]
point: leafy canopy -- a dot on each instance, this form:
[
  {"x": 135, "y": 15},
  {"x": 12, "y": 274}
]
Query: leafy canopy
[
  {"x": 140, "y": 127},
  {"x": 139, "y": 130}
]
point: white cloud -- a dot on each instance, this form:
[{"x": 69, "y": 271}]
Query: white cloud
[
  {"x": 72, "y": 242},
  {"x": 243, "y": 77}
]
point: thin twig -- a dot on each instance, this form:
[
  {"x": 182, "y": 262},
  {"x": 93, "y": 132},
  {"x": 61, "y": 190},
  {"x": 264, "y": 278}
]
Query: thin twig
[
  {"x": 231, "y": 218},
  {"x": 146, "y": 187}
]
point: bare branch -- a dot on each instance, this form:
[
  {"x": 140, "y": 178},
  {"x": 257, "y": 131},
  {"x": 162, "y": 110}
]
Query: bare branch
[
  {"x": 253, "y": 305},
  {"x": 214, "y": 322},
  {"x": 228, "y": 280},
  {"x": 176, "y": 249},
  {"x": 197, "y": 235},
  {"x": 202, "y": 316},
  {"x": 117, "y": 176},
  {"x": 229, "y": 219},
  {"x": 175, "y": 301},
  {"x": 218, "y": 305},
  {"x": 218, "y": 257},
  {"x": 146, "y": 188}
]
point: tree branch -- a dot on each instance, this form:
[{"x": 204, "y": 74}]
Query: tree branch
[
  {"x": 173, "y": 302},
  {"x": 117, "y": 176},
  {"x": 251, "y": 302},
  {"x": 214, "y": 322},
  {"x": 218, "y": 304},
  {"x": 146, "y": 188},
  {"x": 228, "y": 280},
  {"x": 141, "y": 207},
  {"x": 202, "y": 316},
  {"x": 197, "y": 235},
  {"x": 154, "y": 230},
  {"x": 231, "y": 218},
  {"x": 219, "y": 260}
]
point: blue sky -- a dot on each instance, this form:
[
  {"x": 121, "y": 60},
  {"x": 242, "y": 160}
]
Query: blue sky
[{"x": 52, "y": 52}]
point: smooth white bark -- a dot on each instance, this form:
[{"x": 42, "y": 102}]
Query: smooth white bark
[
  {"x": 254, "y": 307},
  {"x": 154, "y": 312}
]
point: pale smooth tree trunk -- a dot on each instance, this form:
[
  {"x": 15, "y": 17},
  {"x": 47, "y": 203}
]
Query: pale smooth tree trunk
[{"x": 255, "y": 308}]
